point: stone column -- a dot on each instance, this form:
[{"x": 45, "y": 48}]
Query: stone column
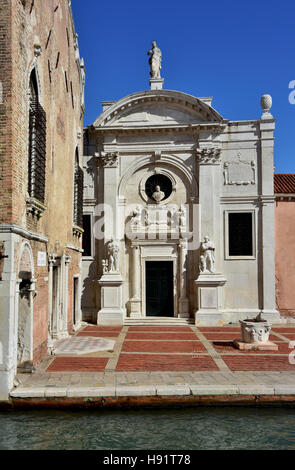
[
  {"x": 135, "y": 301},
  {"x": 183, "y": 311},
  {"x": 267, "y": 246},
  {"x": 110, "y": 163},
  {"x": 8, "y": 315},
  {"x": 67, "y": 261},
  {"x": 51, "y": 262},
  {"x": 210, "y": 284}
]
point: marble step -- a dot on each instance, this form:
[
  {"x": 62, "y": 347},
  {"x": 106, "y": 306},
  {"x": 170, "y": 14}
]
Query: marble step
[{"x": 158, "y": 321}]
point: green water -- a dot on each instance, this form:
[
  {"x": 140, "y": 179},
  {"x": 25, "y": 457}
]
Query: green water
[{"x": 181, "y": 429}]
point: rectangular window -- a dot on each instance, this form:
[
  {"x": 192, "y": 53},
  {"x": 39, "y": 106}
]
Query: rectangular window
[
  {"x": 240, "y": 234},
  {"x": 87, "y": 237},
  {"x": 37, "y": 152}
]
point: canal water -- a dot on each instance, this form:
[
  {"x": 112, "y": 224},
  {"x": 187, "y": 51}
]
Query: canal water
[{"x": 181, "y": 429}]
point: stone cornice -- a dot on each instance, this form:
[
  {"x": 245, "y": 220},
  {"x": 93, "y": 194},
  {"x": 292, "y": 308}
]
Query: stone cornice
[
  {"x": 23, "y": 233},
  {"x": 196, "y": 129}
]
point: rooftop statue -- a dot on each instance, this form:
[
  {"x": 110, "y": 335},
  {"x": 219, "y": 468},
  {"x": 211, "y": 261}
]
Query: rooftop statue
[{"x": 155, "y": 61}]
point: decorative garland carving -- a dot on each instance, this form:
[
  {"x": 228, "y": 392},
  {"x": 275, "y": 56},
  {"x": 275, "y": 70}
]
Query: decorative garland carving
[
  {"x": 209, "y": 155},
  {"x": 110, "y": 160}
]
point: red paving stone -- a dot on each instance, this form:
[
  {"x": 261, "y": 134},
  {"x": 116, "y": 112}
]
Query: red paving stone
[
  {"x": 103, "y": 328},
  {"x": 164, "y": 363},
  {"x": 258, "y": 362},
  {"x": 283, "y": 330},
  {"x": 228, "y": 347},
  {"x": 163, "y": 346},
  {"x": 178, "y": 329},
  {"x": 99, "y": 334},
  {"x": 222, "y": 329},
  {"x": 78, "y": 364},
  {"x": 231, "y": 336},
  {"x": 162, "y": 336},
  {"x": 290, "y": 336}
]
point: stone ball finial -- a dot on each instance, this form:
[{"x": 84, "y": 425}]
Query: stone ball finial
[{"x": 266, "y": 103}]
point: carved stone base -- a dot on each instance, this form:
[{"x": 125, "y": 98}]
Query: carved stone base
[
  {"x": 210, "y": 299},
  {"x": 257, "y": 346},
  {"x": 183, "y": 308},
  {"x": 135, "y": 308},
  {"x": 111, "y": 312}
]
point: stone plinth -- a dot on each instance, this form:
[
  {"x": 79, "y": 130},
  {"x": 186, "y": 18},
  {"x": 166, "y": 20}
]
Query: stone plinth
[
  {"x": 210, "y": 299},
  {"x": 111, "y": 312},
  {"x": 156, "y": 83},
  {"x": 256, "y": 346}
]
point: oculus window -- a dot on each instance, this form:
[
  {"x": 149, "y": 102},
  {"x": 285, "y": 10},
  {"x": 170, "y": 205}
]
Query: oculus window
[{"x": 162, "y": 181}]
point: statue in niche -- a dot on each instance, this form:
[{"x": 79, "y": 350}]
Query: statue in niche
[
  {"x": 113, "y": 252},
  {"x": 158, "y": 195},
  {"x": 137, "y": 215},
  {"x": 207, "y": 258},
  {"x": 182, "y": 216},
  {"x": 155, "y": 61}
]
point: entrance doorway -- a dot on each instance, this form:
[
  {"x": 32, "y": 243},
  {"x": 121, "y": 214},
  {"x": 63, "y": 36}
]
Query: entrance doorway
[
  {"x": 75, "y": 300},
  {"x": 159, "y": 289}
]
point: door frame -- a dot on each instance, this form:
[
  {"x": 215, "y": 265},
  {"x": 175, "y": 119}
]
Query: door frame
[
  {"x": 157, "y": 253},
  {"x": 173, "y": 294}
]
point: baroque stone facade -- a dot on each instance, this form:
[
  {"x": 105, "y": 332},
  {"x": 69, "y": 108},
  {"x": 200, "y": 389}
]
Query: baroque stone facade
[
  {"x": 188, "y": 197},
  {"x": 42, "y": 79}
]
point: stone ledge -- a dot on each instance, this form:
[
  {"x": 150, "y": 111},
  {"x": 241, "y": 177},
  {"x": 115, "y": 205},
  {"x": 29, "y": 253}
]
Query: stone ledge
[
  {"x": 80, "y": 392},
  {"x": 147, "y": 391},
  {"x": 173, "y": 390},
  {"x": 284, "y": 389},
  {"x": 28, "y": 393},
  {"x": 214, "y": 389},
  {"x": 256, "y": 390}
]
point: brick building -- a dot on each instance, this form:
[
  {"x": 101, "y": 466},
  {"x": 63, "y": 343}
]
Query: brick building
[
  {"x": 41, "y": 182},
  {"x": 284, "y": 187}
]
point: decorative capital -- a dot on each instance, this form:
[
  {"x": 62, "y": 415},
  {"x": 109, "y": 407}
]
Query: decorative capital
[
  {"x": 109, "y": 160},
  {"x": 209, "y": 155},
  {"x": 67, "y": 259},
  {"x": 52, "y": 259},
  {"x": 37, "y": 50}
]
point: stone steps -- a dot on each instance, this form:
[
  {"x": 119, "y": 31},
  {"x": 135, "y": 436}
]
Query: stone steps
[{"x": 156, "y": 321}]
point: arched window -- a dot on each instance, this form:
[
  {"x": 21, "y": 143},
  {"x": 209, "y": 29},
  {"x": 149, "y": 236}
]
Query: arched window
[
  {"x": 78, "y": 193},
  {"x": 37, "y": 144}
]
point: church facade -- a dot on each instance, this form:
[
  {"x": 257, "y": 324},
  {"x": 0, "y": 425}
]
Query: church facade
[{"x": 178, "y": 212}]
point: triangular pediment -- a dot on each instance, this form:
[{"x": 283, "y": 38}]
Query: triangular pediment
[{"x": 157, "y": 108}]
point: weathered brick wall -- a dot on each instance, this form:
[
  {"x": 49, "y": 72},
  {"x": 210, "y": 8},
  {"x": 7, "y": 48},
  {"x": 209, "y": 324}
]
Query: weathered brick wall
[
  {"x": 5, "y": 112},
  {"x": 285, "y": 256},
  {"x": 24, "y": 25}
]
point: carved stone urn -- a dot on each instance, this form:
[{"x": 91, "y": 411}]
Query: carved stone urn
[{"x": 255, "y": 330}]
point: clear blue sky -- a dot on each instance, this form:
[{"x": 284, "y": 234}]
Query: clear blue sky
[{"x": 234, "y": 51}]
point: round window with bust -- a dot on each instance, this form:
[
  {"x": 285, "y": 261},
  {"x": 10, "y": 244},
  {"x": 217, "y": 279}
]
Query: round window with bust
[{"x": 158, "y": 188}]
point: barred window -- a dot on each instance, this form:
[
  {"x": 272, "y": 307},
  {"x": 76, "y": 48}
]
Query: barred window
[
  {"x": 78, "y": 193},
  {"x": 37, "y": 144}
]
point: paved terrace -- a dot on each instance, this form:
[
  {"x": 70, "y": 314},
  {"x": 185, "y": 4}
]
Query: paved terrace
[{"x": 163, "y": 364}]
